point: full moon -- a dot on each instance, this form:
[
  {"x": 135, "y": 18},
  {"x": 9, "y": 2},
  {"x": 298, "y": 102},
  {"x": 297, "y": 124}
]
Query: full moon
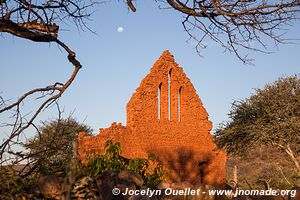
[{"x": 120, "y": 29}]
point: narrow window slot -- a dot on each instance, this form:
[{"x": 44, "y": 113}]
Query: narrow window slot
[
  {"x": 179, "y": 104},
  {"x": 169, "y": 95},
  {"x": 159, "y": 102}
]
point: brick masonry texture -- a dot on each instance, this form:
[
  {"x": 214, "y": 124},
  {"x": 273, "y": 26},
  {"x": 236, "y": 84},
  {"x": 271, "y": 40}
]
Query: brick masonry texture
[{"x": 165, "y": 116}]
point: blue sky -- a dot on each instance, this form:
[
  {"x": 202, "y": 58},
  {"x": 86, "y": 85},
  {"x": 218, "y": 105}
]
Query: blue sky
[{"x": 114, "y": 64}]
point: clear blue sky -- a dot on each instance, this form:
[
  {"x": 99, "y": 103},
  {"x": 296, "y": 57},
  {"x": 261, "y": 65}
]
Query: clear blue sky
[{"x": 115, "y": 63}]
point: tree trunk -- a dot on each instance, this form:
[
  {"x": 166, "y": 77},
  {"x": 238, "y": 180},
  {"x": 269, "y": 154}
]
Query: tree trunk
[
  {"x": 290, "y": 152},
  {"x": 235, "y": 177}
]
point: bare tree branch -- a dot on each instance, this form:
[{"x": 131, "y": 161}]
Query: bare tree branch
[
  {"x": 35, "y": 21},
  {"x": 236, "y": 25},
  {"x": 131, "y": 6}
]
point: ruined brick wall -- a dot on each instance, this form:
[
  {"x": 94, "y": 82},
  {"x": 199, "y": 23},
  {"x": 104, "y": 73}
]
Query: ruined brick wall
[
  {"x": 89, "y": 145},
  {"x": 165, "y": 116}
]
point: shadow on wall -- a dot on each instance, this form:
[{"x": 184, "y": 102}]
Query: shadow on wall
[{"x": 184, "y": 165}]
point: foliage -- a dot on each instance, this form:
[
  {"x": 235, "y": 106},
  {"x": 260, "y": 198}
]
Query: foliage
[
  {"x": 10, "y": 181},
  {"x": 270, "y": 117},
  {"x": 13, "y": 184},
  {"x": 152, "y": 171},
  {"x": 110, "y": 161},
  {"x": 51, "y": 149}
]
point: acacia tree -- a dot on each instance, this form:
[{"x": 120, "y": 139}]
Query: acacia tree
[
  {"x": 51, "y": 149},
  {"x": 233, "y": 24},
  {"x": 270, "y": 117}
]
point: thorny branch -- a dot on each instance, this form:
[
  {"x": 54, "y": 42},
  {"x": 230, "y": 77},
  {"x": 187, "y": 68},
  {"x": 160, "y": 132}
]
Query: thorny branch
[
  {"x": 236, "y": 25},
  {"x": 35, "y": 21}
]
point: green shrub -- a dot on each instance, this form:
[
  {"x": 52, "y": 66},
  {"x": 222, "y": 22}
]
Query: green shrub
[
  {"x": 152, "y": 171},
  {"x": 110, "y": 161}
]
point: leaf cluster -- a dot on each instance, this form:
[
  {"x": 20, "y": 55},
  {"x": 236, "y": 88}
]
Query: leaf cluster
[{"x": 151, "y": 171}]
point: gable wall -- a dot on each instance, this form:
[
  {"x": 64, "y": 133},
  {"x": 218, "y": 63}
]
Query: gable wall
[{"x": 179, "y": 144}]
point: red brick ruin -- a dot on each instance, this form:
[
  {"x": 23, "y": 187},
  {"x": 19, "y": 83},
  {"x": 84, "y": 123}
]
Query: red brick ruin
[{"x": 165, "y": 116}]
